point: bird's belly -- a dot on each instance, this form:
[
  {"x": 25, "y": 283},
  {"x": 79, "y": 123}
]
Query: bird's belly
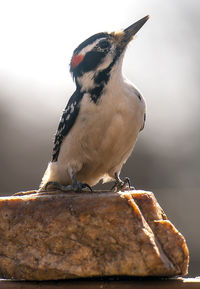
[
  {"x": 98, "y": 145},
  {"x": 119, "y": 141}
]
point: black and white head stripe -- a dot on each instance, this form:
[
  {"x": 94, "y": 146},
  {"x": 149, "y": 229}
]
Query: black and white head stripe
[
  {"x": 90, "y": 41},
  {"x": 90, "y": 54}
]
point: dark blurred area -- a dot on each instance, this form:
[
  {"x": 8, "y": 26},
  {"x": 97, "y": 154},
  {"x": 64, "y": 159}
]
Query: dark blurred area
[{"x": 163, "y": 62}]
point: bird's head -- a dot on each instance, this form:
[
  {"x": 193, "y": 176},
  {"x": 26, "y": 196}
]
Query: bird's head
[{"x": 94, "y": 59}]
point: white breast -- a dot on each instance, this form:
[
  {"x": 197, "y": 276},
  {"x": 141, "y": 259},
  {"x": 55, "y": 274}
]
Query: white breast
[{"x": 104, "y": 134}]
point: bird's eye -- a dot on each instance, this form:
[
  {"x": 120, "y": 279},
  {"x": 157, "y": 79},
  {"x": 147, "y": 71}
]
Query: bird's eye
[{"x": 104, "y": 44}]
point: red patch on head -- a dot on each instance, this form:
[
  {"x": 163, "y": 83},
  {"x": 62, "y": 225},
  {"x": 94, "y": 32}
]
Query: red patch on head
[{"x": 76, "y": 59}]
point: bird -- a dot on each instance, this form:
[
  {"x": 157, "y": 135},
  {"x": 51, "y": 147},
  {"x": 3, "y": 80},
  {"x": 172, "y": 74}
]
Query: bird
[{"x": 101, "y": 122}]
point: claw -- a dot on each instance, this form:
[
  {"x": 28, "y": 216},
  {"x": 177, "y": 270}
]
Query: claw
[
  {"x": 77, "y": 187},
  {"x": 122, "y": 185},
  {"x": 84, "y": 185},
  {"x": 55, "y": 184},
  {"x": 127, "y": 182}
]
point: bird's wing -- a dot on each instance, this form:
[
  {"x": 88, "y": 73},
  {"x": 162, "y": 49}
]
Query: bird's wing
[{"x": 66, "y": 122}]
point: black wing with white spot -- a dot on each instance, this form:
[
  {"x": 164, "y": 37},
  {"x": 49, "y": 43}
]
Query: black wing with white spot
[{"x": 66, "y": 122}]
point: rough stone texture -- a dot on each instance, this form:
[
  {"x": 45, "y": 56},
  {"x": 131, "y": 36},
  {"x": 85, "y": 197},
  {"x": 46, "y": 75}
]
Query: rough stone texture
[{"x": 69, "y": 235}]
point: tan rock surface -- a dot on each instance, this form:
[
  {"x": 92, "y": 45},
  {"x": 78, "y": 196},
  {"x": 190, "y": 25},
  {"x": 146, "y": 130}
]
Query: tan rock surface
[{"x": 68, "y": 235}]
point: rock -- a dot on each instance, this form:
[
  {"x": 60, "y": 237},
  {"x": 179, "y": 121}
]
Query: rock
[{"x": 68, "y": 235}]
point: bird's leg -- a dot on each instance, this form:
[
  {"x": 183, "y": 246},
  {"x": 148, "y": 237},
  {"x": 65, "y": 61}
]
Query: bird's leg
[
  {"x": 122, "y": 185},
  {"x": 75, "y": 186}
]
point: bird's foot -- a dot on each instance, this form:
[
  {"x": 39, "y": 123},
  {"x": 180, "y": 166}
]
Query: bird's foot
[
  {"x": 122, "y": 185},
  {"x": 76, "y": 187}
]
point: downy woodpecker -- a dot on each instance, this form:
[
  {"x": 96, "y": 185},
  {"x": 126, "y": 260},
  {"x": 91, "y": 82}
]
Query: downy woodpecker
[{"x": 101, "y": 122}]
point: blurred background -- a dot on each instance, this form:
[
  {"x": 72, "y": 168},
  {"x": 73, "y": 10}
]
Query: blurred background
[{"x": 37, "y": 40}]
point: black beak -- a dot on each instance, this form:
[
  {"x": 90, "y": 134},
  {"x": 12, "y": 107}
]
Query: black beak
[{"x": 133, "y": 29}]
